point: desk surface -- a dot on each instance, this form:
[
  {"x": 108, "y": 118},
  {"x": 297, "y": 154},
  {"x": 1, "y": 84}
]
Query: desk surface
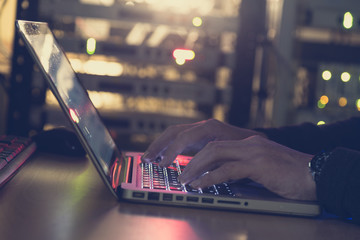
[{"x": 59, "y": 198}]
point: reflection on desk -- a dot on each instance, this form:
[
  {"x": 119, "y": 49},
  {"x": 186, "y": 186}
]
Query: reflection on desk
[{"x": 53, "y": 197}]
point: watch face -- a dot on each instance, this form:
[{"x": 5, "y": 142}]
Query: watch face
[{"x": 317, "y": 163}]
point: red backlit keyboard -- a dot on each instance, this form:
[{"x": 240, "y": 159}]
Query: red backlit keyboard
[
  {"x": 14, "y": 151},
  {"x": 155, "y": 177}
]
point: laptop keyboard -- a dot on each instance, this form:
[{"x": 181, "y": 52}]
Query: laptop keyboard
[
  {"x": 14, "y": 151},
  {"x": 155, "y": 177}
]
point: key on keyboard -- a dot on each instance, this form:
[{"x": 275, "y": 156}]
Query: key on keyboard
[
  {"x": 14, "y": 151},
  {"x": 155, "y": 177}
]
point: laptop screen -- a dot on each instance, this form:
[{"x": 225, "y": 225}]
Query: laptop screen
[{"x": 70, "y": 93}]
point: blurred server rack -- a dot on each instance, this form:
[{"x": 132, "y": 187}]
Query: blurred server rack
[
  {"x": 307, "y": 66},
  {"x": 23, "y": 98},
  {"x": 328, "y": 46},
  {"x": 146, "y": 64},
  {"x": 7, "y": 13}
]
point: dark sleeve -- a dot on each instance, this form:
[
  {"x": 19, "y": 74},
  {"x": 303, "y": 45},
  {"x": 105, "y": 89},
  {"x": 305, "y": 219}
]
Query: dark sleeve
[
  {"x": 338, "y": 188},
  {"x": 310, "y": 138}
]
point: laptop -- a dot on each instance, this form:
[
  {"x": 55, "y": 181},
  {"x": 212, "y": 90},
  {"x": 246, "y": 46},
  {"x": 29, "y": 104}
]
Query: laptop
[{"x": 123, "y": 172}]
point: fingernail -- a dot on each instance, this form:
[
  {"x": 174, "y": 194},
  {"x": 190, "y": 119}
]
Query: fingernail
[
  {"x": 180, "y": 179},
  {"x": 195, "y": 184},
  {"x": 145, "y": 157},
  {"x": 145, "y": 154}
]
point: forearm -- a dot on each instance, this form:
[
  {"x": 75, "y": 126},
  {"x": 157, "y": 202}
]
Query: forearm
[
  {"x": 310, "y": 138},
  {"x": 296, "y": 137}
]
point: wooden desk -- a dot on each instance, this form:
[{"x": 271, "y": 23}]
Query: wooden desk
[{"x": 57, "y": 198}]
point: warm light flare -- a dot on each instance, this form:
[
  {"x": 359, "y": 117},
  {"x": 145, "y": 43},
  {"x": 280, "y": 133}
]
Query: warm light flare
[
  {"x": 197, "y": 21},
  {"x": 107, "y": 101},
  {"x": 324, "y": 100},
  {"x": 345, "y": 77},
  {"x": 97, "y": 67},
  {"x": 342, "y": 102},
  {"x": 183, "y": 55},
  {"x": 91, "y": 46},
  {"x": 204, "y": 7},
  {"x": 320, "y": 123},
  {"x": 74, "y": 116},
  {"x": 358, "y": 104},
  {"x": 348, "y": 21},
  {"x": 107, "y": 3},
  {"x": 326, "y": 75}
]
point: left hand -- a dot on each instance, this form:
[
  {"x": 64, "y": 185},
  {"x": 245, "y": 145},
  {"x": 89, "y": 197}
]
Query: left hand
[{"x": 177, "y": 139}]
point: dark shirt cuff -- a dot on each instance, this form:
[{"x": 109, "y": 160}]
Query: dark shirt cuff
[
  {"x": 338, "y": 189},
  {"x": 304, "y": 138},
  {"x": 310, "y": 138}
]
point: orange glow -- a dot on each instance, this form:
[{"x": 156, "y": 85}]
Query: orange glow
[
  {"x": 73, "y": 115},
  {"x": 107, "y": 101},
  {"x": 324, "y": 99},
  {"x": 342, "y": 102},
  {"x": 115, "y": 169},
  {"x": 183, "y": 55}
]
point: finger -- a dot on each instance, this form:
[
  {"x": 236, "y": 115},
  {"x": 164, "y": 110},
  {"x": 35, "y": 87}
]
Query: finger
[
  {"x": 217, "y": 153},
  {"x": 229, "y": 171},
  {"x": 194, "y": 138},
  {"x": 161, "y": 143},
  {"x": 206, "y": 160}
]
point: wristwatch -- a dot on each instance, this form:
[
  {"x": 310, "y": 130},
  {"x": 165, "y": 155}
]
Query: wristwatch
[{"x": 317, "y": 163}]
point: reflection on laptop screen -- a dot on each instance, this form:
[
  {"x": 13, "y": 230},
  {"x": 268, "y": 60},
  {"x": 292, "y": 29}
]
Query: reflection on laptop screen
[{"x": 73, "y": 95}]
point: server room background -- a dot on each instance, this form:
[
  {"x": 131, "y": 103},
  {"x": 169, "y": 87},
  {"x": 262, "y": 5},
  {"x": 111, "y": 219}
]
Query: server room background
[{"x": 149, "y": 64}]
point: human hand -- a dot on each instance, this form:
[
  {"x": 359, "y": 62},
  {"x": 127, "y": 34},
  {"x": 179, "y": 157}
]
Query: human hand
[
  {"x": 192, "y": 137},
  {"x": 229, "y": 153},
  {"x": 281, "y": 170}
]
